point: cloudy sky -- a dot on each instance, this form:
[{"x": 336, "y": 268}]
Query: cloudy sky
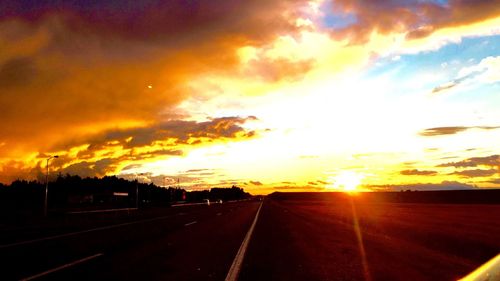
[{"x": 269, "y": 95}]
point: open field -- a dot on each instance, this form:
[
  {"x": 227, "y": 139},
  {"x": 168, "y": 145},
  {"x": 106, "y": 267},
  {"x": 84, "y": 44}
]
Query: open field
[{"x": 342, "y": 237}]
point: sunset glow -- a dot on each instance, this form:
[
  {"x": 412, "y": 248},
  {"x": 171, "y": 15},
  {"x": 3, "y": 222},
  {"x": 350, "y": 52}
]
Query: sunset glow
[
  {"x": 347, "y": 181},
  {"x": 313, "y": 95}
]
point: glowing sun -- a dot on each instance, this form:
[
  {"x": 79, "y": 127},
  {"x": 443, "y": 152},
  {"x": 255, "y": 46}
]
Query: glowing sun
[{"x": 347, "y": 181}]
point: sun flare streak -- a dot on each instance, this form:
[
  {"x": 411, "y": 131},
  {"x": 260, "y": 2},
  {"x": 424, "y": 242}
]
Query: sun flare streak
[{"x": 359, "y": 237}]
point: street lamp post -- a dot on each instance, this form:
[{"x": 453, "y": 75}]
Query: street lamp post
[
  {"x": 47, "y": 185},
  {"x": 137, "y": 189}
]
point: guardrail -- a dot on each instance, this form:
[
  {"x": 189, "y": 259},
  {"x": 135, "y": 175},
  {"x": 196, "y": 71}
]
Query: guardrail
[
  {"x": 490, "y": 271},
  {"x": 189, "y": 204},
  {"x": 103, "y": 211}
]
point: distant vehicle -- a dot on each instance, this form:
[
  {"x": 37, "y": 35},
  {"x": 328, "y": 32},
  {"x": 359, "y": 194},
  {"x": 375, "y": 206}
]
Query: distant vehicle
[
  {"x": 206, "y": 201},
  {"x": 218, "y": 201}
]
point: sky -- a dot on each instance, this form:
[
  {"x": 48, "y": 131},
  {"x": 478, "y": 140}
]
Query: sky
[{"x": 274, "y": 95}]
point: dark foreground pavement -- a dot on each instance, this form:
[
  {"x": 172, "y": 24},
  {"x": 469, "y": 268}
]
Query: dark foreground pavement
[
  {"x": 336, "y": 237},
  {"x": 344, "y": 238},
  {"x": 186, "y": 243}
]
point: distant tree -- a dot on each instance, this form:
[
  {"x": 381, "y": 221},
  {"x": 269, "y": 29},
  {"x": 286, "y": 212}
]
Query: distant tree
[{"x": 72, "y": 191}]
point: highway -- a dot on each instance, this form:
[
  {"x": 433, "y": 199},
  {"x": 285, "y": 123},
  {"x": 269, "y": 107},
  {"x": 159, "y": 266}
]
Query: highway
[
  {"x": 183, "y": 243},
  {"x": 338, "y": 239}
]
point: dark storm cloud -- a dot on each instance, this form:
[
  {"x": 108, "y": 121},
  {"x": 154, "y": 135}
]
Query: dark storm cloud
[
  {"x": 153, "y": 19},
  {"x": 127, "y": 141},
  {"x": 16, "y": 72},
  {"x": 180, "y": 131},
  {"x": 417, "y": 18},
  {"x": 83, "y": 67},
  {"x": 90, "y": 169},
  {"x": 101, "y": 167}
]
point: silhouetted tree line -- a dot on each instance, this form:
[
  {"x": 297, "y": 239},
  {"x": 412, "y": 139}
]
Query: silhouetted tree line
[{"x": 73, "y": 192}]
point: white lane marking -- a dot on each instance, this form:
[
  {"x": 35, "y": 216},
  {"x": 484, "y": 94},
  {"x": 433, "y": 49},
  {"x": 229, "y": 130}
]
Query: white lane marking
[
  {"x": 81, "y": 232},
  {"x": 234, "y": 271},
  {"x": 103, "y": 211},
  {"x": 218, "y": 214},
  {"x": 62, "y": 267},
  {"x": 190, "y": 223}
]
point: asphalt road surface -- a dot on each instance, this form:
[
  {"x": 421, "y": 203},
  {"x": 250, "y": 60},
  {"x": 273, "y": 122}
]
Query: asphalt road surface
[
  {"x": 344, "y": 239},
  {"x": 292, "y": 240},
  {"x": 186, "y": 243}
]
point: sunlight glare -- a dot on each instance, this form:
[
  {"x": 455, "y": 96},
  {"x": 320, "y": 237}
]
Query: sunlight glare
[{"x": 347, "y": 181}]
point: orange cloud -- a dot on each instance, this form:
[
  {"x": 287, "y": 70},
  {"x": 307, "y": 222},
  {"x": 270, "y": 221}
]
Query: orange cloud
[
  {"x": 274, "y": 70},
  {"x": 476, "y": 173},
  {"x": 439, "y": 131},
  {"x": 115, "y": 150},
  {"x": 416, "y": 172},
  {"x": 489, "y": 161},
  {"x": 88, "y": 67},
  {"x": 71, "y": 73},
  {"x": 255, "y": 183}
]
